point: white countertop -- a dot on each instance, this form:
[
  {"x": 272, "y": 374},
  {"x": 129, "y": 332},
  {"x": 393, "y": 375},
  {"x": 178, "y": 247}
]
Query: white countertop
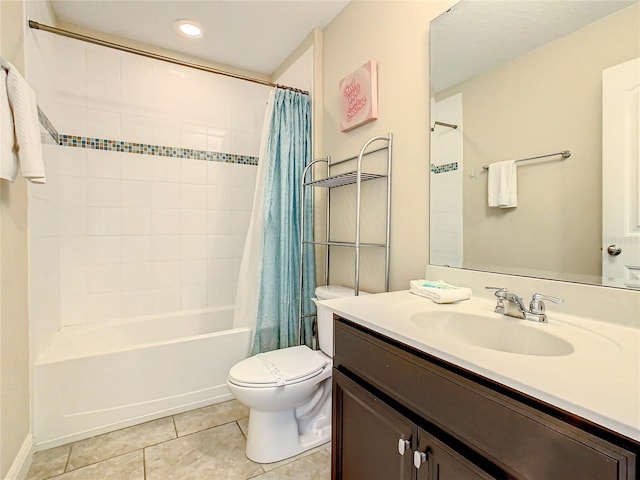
[{"x": 599, "y": 380}]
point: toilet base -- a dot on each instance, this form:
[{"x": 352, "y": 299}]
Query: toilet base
[{"x": 274, "y": 436}]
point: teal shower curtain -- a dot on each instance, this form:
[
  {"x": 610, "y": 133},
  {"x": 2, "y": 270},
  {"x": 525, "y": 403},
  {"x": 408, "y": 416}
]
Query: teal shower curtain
[{"x": 288, "y": 152}]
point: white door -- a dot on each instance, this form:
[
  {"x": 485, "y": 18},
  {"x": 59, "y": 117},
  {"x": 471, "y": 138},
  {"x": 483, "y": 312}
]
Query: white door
[{"x": 621, "y": 175}]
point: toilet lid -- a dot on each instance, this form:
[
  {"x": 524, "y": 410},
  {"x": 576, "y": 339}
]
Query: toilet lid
[{"x": 278, "y": 367}]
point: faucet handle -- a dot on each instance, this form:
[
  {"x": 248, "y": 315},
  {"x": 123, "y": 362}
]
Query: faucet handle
[
  {"x": 537, "y": 304},
  {"x": 501, "y": 295},
  {"x": 501, "y": 292}
]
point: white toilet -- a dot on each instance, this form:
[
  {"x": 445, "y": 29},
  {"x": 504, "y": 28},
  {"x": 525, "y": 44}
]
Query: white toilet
[{"x": 288, "y": 392}]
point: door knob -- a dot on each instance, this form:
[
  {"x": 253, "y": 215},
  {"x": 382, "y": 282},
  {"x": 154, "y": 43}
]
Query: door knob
[
  {"x": 419, "y": 458},
  {"x": 614, "y": 250},
  {"x": 403, "y": 445}
]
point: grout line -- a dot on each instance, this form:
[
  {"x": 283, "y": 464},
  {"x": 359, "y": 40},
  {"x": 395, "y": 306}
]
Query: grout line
[
  {"x": 175, "y": 427},
  {"x": 144, "y": 463},
  {"x": 66, "y": 464}
]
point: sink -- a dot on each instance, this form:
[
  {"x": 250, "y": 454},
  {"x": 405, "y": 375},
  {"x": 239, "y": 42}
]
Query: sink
[{"x": 504, "y": 334}]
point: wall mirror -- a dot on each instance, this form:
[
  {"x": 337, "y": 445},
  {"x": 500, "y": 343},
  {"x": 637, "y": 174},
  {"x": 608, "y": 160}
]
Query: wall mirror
[{"x": 513, "y": 80}]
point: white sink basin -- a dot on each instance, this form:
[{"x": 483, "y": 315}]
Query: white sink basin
[{"x": 505, "y": 334}]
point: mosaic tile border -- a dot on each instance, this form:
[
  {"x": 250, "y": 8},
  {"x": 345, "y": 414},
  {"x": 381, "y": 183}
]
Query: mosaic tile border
[
  {"x": 447, "y": 167},
  {"x": 155, "y": 150}
]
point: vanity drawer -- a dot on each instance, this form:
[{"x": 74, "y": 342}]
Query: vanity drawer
[{"x": 522, "y": 440}]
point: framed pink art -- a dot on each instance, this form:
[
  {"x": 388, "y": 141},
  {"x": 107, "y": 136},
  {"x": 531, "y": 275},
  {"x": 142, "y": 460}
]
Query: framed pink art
[{"x": 359, "y": 97}]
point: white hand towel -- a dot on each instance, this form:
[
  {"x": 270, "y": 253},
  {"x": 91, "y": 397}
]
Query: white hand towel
[
  {"x": 503, "y": 184},
  {"x": 27, "y": 143},
  {"x": 439, "y": 291},
  {"x": 8, "y": 158}
]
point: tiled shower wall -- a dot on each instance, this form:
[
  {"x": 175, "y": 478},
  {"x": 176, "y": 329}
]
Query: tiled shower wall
[{"x": 126, "y": 234}]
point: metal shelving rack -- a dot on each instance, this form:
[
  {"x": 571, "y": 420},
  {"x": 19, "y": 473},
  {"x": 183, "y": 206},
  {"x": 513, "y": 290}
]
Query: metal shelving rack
[{"x": 356, "y": 177}]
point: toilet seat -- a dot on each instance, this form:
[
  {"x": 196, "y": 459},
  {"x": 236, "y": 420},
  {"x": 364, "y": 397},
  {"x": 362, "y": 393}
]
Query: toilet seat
[{"x": 278, "y": 368}]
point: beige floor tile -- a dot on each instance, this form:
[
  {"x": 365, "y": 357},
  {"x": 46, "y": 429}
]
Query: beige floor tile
[
  {"x": 101, "y": 447},
  {"x": 217, "y": 453},
  {"x": 316, "y": 466},
  {"x": 48, "y": 463},
  {"x": 243, "y": 423},
  {"x": 124, "y": 467},
  {"x": 272, "y": 466},
  {"x": 211, "y": 416}
]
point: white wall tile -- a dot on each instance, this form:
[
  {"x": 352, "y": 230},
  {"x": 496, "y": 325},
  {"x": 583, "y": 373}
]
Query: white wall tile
[
  {"x": 73, "y": 280},
  {"x": 193, "y": 222},
  {"x": 137, "y": 128},
  {"x": 103, "y": 124},
  {"x": 165, "y": 195},
  {"x": 165, "y": 248},
  {"x": 166, "y": 169},
  {"x": 136, "y": 303},
  {"x": 103, "y": 250},
  {"x": 73, "y": 220},
  {"x": 165, "y": 274},
  {"x": 73, "y": 251},
  {"x": 220, "y": 222},
  {"x": 135, "y": 248},
  {"x": 69, "y": 118},
  {"x": 103, "y": 164},
  {"x": 193, "y": 272},
  {"x": 166, "y": 132},
  {"x": 166, "y": 300},
  {"x": 103, "y": 306},
  {"x": 135, "y": 194},
  {"x": 73, "y": 161},
  {"x": 165, "y": 221},
  {"x": 136, "y": 86},
  {"x": 220, "y": 295},
  {"x": 103, "y": 278},
  {"x": 73, "y": 309},
  {"x": 218, "y": 140},
  {"x": 103, "y": 221},
  {"x": 193, "y": 171},
  {"x": 103, "y": 75},
  {"x": 193, "y": 196},
  {"x": 136, "y": 221},
  {"x": 244, "y": 143},
  {"x": 193, "y": 247},
  {"x": 242, "y": 198},
  {"x": 193, "y": 136},
  {"x": 136, "y": 167},
  {"x": 194, "y": 297},
  {"x": 103, "y": 192},
  {"x": 136, "y": 276},
  {"x": 73, "y": 191}
]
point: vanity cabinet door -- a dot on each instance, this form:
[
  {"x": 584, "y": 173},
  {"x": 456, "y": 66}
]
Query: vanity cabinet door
[
  {"x": 443, "y": 463},
  {"x": 366, "y": 436}
]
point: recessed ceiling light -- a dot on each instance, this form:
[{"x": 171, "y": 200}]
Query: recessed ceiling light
[{"x": 188, "y": 28}]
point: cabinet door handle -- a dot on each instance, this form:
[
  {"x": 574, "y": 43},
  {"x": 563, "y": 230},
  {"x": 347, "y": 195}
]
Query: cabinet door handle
[
  {"x": 403, "y": 445},
  {"x": 419, "y": 458}
]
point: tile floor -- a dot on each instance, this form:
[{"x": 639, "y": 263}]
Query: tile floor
[{"x": 207, "y": 443}]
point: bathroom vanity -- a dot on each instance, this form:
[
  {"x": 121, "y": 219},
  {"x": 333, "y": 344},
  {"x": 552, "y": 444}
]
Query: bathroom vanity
[{"x": 414, "y": 405}]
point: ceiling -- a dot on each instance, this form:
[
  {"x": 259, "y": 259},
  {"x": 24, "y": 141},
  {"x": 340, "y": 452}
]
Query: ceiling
[
  {"x": 248, "y": 34},
  {"x": 477, "y": 36}
]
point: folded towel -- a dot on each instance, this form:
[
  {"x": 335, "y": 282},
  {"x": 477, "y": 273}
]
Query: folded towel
[
  {"x": 20, "y": 136},
  {"x": 439, "y": 291},
  {"x": 503, "y": 184}
]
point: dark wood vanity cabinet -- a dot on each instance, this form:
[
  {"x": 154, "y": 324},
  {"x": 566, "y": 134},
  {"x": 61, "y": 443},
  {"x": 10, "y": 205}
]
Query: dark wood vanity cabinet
[{"x": 395, "y": 408}]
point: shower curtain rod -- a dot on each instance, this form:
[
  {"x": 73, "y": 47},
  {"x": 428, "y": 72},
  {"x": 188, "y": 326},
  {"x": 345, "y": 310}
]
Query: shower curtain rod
[{"x": 155, "y": 56}]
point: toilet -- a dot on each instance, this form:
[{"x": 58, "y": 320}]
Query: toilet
[{"x": 288, "y": 391}]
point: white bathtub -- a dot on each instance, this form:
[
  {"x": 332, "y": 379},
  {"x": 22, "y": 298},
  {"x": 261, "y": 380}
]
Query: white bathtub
[{"x": 97, "y": 378}]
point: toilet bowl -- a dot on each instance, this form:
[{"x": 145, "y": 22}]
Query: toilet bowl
[{"x": 288, "y": 392}]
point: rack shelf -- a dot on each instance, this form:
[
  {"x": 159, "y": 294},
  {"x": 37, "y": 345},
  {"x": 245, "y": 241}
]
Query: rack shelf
[
  {"x": 355, "y": 177},
  {"x": 348, "y": 178}
]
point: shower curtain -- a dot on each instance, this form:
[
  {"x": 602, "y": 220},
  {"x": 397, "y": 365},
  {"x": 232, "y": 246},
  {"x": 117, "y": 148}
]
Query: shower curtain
[{"x": 267, "y": 297}]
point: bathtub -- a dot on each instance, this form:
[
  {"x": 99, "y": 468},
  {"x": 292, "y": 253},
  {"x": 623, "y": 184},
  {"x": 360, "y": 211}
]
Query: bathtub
[{"x": 97, "y": 378}]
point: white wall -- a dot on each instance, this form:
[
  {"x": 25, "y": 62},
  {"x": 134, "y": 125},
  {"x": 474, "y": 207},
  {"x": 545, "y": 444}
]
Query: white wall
[
  {"x": 137, "y": 234},
  {"x": 396, "y": 35}
]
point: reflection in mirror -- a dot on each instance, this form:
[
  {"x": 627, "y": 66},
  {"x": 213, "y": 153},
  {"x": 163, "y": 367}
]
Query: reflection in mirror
[{"x": 514, "y": 80}]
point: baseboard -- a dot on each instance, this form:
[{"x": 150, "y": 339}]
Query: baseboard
[{"x": 20, "y": 466}]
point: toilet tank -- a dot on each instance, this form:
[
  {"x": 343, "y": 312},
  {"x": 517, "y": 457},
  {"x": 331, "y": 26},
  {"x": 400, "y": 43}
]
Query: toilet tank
[{"x": 325, "y": 315}]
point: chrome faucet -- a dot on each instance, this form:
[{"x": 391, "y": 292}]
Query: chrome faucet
[{"x": 511, "y": 304}]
